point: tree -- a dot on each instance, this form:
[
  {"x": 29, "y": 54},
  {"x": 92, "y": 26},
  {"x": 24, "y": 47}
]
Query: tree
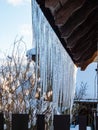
[
  {"x": 17, "y": 79},
  {"x": 18, "y": 92},
  {"x": 79, "y": 95},
  {"x": 81, "y": 92}
]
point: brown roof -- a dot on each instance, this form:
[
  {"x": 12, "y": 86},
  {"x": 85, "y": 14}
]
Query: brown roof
[{"x": 76, "y": 24}]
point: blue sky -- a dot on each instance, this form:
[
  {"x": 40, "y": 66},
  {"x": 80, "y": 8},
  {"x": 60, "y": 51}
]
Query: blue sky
[{"x": 16, "y": 20}]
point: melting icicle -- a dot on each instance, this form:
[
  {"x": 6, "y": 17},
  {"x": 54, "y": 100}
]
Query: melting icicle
[{"x": 53, "y": 65}]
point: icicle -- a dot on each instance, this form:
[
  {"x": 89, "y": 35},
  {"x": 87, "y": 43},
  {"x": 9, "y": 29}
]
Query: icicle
[{"x": 53, "y": 65}]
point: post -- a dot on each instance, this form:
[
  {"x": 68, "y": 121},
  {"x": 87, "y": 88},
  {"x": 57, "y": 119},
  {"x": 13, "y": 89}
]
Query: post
[{"x": 61, "y": 122}]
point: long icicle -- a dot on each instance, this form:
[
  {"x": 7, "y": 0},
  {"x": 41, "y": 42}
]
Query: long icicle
[{"x": 53, "y": 64}]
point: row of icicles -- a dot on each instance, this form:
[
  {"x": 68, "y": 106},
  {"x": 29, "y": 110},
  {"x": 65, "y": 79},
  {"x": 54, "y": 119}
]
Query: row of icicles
[{"x": 55, "y": 71}]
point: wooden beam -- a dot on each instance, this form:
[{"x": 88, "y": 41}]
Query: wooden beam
[
  {"x": 78, "y": 18},
  {"x": 83, "y": 29},
  {"x": 51, "y": 3},
  {"x": 40, "y": 122},
  {"x": 61, "y": 122},
  {"x": 79, "y": 55},
  {"x": 82, "y": 122},
  {"x": 83, "y": 41},
  {"x": 1, "y": 121},
  {"x": 83, "y": 65},
  {"x": 66, "y": 11},
  {"x": 63, "y": 2},
  {"x": 86, "y": 46},
  {"x": 88, "y": 54}
]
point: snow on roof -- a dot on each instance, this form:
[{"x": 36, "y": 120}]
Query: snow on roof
[
  {"x": 87, "y": 100},
  {"x": 77, "y": 128},
  {"x": 30, "y": 53}
]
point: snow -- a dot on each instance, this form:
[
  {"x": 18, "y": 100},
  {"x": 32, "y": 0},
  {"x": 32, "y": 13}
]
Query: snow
[
  {"x": 30, "y": 53},
  {"x": 77, "y": 128},
  {"x": 88, "y": 76}
]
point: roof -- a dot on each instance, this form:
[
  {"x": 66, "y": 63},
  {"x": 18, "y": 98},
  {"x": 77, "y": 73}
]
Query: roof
[
  {"x": 76, "y": 25},
  {"x": 87, "y": 101}
]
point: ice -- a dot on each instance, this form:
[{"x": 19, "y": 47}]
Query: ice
[
  {"x": 54, "y": 66},
  {"x": 77, "y": 128}
]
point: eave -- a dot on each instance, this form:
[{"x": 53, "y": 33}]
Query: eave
[{"x": 76, "y": 25}]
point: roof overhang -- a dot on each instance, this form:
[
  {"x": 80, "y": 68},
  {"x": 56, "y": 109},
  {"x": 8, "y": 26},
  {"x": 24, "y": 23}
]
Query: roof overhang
[{"x": 76, "y": 25}]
